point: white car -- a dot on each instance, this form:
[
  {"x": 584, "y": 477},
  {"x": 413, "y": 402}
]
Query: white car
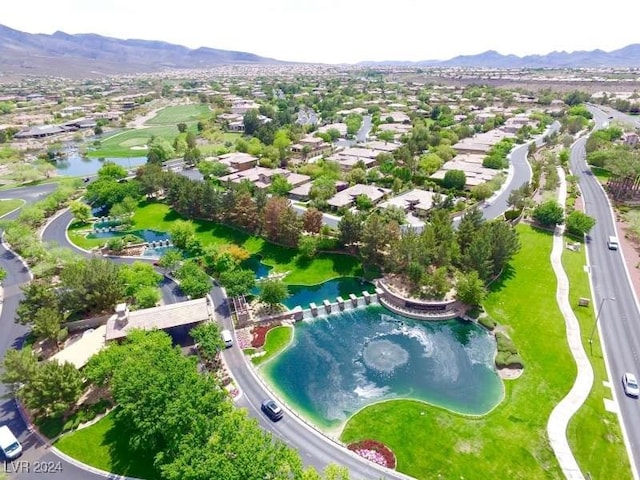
[{"x": 630, "y": 385}]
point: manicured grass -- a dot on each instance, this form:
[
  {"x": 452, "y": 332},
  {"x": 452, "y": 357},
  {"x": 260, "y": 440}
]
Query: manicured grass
[
  {"x": 104, "y": 445},
  {"x": 594, "y": 434},
  {"x": 121, "y": 143},
  {"x": 277, "y": 339},
  {"x": 323, "y": 267},
  {"x": 77, "y": 234},
  {"x": 510, "y": 442},
  {"x": 180, "y": 113},
  {"x": 7, "y": 206}
]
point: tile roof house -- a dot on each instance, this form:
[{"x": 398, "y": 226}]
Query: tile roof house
[{"x": 347, "y": 197}]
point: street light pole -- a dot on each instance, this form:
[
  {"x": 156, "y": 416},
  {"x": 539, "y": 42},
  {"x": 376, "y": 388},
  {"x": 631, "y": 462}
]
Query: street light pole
[{"x": 593, "y": 330}]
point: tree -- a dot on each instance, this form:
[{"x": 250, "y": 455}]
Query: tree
[
  {"x": 519, "y": 196},
  {"x": 54, "y": 389},
  {"x": 307, "y": 246},
  {"x": 3, "y": 274},
  {"x": 47, "y": 324},
  {"x": 549, "y": 214},
  {"x": 454, "y": 179},
  {"x": 245, "y": 213},
  {"x": 182, "y": 233},
  {"x": 312, "y": 220},
  {"x": 251, "y": 122},
  {"x": 377, "y": 238},
  {"x": 18, "y": 367},
  {"x": 470, "y": 289},
  {"x": 238, "y": 281},
  {"x": 138, "y": 275},
  {"x": 170, "y": 259},
  {"x": 182, "y": 127},
  {"x": 91, "y": 286},
  {"x": 194, "y": 281},
  {"x": 36, "y": 295},
  {"x": 322, "y": 189},
  {"x": 112, "y": 171},
  {"x": 146, "y": 297},
  {"x": 281, "y": 141},
  {"x": 160, "y": 150},
  {"x": 469, "y": 227},
  {"x": 281, "y": 223},
  {"x": 386, "y": 136},
  {"x": 579, "y": 223},
  {"x": 124, "y": 209},
  {"x": 280, "y": 186},
  {"x": 273, "y": 292},
  {"x": 80, "y": 211},
  {"x": 212, "y": 168},
  {"x": 207, "y": 336},
  {"x": 504, "y": 242},
  {"x": 350, "y": 228},
  {"x": 192, "y": 156}
]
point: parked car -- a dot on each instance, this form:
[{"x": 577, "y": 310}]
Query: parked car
[
  {"x": 630, "y": 385},
  {"x": 272, "y": 409}
]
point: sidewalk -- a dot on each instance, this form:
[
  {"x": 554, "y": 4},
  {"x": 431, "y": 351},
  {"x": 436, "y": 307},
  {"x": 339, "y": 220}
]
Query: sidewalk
[{"x": 569, "y": 405}]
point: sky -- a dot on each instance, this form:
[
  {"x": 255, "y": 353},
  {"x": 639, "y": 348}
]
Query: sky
[{"x": 344, "y": 31}]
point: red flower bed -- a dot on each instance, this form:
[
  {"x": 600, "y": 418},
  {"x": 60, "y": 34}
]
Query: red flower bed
[
  {"x": 377, "y": 447},
  {"x": 259, "y": 333}
]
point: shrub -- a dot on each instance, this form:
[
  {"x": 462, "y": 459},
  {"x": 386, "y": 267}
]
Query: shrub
[
  {"x": 374, "y": 446},
  {"x": 116, "y": 244},
  {"x": 512, "y": 214},
  {"x": 487, "y": 322},
  {"x": 507, "y": 356}
]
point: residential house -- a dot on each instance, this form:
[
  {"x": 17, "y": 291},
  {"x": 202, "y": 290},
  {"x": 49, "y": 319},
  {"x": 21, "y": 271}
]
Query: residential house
[
  {"x": 347, "y": 197},
  {"x": 238, "y": 161},
  {"x": 414, "y": 201},
  {"x": 302, "y": 192},
  {"x": 262, "y": 177},
  {"x": 630, "y": 138}
]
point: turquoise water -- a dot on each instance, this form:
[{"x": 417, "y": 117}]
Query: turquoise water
[
  {"x": 340, "y": 363},
  {"x": 303, "y": 295},
  {"x": 260, "y": 269},
  {"x": 76, "y": 165}
]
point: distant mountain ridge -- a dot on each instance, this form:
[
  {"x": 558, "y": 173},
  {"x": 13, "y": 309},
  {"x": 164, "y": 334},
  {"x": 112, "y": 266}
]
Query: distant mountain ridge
[
  {"x": 82, "y": 55},
  {"x": 628, "y": 56}
]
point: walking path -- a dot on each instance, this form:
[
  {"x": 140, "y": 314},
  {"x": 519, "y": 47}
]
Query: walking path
[{"x": 569, "y": 405}]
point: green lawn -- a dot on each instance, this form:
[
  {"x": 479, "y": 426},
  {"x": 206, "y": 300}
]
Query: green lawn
[
  {"x": 7, "y": 206},
  {"x": 104, "y": 445},
  {"x": 121, "y": 143},
  {"x": 594, "y": 434},
  {"x": 601, "y": 174},
  {"x": 323, "y": 267},
  {"x": 180, "y": 113},
  {"x": 510, "y": 442},
  {"x": 277, "y": 339}
]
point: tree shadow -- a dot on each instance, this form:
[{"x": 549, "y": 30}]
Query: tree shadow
[
  {"x": 124, "y": 460},
  {"x": 499, "y": 283},
  {"x": 346, "y": 265}
]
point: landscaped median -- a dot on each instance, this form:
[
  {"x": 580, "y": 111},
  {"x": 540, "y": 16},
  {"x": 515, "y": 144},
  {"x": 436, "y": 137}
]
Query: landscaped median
[{"x": 510, "y": 441}]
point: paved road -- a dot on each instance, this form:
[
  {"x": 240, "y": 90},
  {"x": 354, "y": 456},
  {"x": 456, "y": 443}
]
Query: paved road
[
  {"x": 521, "y": 174},
  {"x": 12, "y": 335},
  {"x": 618, "y": 320},
  {"x": 55, "y": 233},
  {"x": 315, "y": 449}
]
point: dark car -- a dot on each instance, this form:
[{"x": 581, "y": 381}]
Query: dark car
[{"x": 272, "y": 409}]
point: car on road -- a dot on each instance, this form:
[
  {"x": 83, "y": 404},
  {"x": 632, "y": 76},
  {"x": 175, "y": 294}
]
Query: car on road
[
  {"x": 272, "y": 409},
  {"x": 630, "y": 385},
  {"x": 612, "y": 243}
]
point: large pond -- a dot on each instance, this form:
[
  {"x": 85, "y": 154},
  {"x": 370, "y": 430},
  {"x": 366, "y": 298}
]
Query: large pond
[
  {"x": 76, "y": 165},
  {"x": 340, "y": 363},
  {"x": 303, "y": 295}
]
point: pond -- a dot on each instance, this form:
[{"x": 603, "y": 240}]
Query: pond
[
  {"x": 343, "y": 362},
  {"x": 303, "y": 295},
  {"x": 75, "y": 165}
]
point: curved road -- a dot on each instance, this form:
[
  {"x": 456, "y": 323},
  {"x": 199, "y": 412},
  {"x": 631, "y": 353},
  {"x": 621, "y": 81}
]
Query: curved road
[
  {"x": 618, "y": 320},
  {"x": 521, "y": 175},
  {"x": 315, "y": 449},
  {"x": 12, "y": 335}
]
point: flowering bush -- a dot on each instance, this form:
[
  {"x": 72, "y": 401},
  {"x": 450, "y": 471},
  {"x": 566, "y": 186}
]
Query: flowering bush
[
  {"x": 259, "y": 334},
  {"x": 375, "y": 452}
]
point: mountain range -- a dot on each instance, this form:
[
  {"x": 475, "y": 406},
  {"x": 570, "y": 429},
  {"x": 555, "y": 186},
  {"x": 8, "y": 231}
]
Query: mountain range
[
  {"x": 628, "y": 56},
  {"x": 91, "y": 55}
]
